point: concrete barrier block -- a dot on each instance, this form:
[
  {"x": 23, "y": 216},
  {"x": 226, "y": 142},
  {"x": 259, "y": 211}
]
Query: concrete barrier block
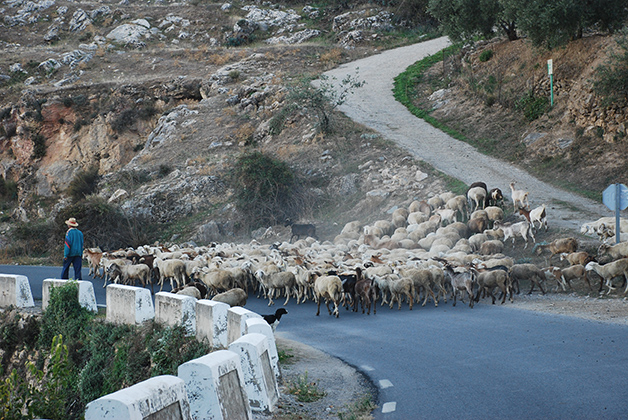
[
  {"x": 129, "y": 305},
  {"x": 211, "y": 322},
  {"x": 260, "y": 326},
  {"x": 86, "y": 295},
  {"x": 236, "y": 322},
  {"x": 161, "y": 397},
  {"x": 215, "y": 387},
  {"x": 259, "y": 379},
  {"x": 172, "y": 309},
  {"x": 15, "y": 290}
]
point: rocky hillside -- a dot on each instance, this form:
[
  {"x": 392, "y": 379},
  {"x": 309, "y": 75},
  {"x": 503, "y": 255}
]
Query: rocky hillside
[{"x": 160, "y": 99}]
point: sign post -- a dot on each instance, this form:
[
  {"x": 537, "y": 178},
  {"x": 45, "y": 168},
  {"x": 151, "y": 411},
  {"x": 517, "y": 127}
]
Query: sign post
[
  {"x": 615, "y": 197},
  {"x": 550, "y": 71}
]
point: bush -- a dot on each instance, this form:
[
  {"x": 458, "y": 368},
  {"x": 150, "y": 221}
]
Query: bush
[
  {"x": 39, "y": 146},
  {"x": 533, "y": 106},
  {"x": 64, "y": 315},
  {"x": 105, "y": 224},
  {"x": 264, "y": 188},
  {"x": 83, "y": 184},
  {"x": 486, "y": 55}
]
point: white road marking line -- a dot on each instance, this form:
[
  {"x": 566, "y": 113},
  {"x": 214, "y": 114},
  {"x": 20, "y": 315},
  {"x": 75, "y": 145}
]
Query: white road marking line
[
  {"x": 385, "y": 383},
  {"x": 389, "y": 407},
  {"x": 367, "y": 368}
]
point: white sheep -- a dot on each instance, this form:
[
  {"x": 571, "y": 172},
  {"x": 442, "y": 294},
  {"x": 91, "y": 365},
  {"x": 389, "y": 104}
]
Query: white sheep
[
  {"x": 608, "y": 271},
  {"x": 477, "y": 196},
  {"x": 328, "y": 288},
  {"x": 616, "y": 251},
  {"x": 172, "y": 269}
]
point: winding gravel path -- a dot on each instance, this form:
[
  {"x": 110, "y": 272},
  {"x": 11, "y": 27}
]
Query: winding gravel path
[{"x": 374, "y": 106}]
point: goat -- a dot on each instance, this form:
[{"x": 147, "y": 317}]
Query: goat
[
  {"x": 460, "y": 281},
  {"x": 495, "y": 198},
  {"x": 299, "y": 230},
  {"x": 537, "y": 214},
  {"x": 519, "y": 196},
  {"x": 128, "y": 272},
  {"x": 527, "y": 272},
  {"x": 93, "y": 257},
  {"x": 366, "y": 292},
  {"x": 522, "y": 229},
  {"x": 557, "y": 246},
  {"x": 328, "y": 288},
  {"x": 608, "y": 271}
]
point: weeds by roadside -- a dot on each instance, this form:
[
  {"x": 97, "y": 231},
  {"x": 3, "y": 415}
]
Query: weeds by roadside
[{"x": 304, "y": 390}]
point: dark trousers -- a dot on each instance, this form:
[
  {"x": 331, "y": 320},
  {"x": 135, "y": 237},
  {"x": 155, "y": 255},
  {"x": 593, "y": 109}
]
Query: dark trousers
[{"x": 77, "y": 262}]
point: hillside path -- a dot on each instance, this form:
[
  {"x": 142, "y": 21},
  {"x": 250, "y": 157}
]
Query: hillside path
[{"x": 375, "y": 107}]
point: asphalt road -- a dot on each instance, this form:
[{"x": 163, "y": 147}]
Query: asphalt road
[{"x": 489, "y": 362}]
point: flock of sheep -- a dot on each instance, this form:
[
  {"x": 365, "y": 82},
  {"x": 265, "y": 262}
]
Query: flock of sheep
[{"x": 447, "y": 246}]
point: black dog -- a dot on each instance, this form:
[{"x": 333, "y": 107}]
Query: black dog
[{"x": 273, "y": 320}]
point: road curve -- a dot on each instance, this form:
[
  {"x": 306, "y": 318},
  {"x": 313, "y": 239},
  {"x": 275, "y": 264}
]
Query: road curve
[{"x": 375, "y": 107}]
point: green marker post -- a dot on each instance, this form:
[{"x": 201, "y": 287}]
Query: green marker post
[{"x": 550, "y": 71}]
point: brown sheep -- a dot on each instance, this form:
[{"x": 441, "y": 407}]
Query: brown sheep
[
  {"x": 557, "y": 246},
  {"x": 233, "y": 297},
  {"x": 527, "y": 272}
]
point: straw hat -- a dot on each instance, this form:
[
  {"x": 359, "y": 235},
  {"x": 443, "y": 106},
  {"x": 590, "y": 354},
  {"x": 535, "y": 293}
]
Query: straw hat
[{"x": 71, "y": 222}]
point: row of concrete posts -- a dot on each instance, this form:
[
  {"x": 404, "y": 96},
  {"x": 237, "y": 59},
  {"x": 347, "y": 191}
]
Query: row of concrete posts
[{"x": 239, "y": 378}]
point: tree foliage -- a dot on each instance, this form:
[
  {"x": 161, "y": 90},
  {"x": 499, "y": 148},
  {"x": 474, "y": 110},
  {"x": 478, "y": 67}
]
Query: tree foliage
[
  {"x": 324, "y": 98},
  {"x": 611, "y": 78},
  {"x": 546, "y": 24}
]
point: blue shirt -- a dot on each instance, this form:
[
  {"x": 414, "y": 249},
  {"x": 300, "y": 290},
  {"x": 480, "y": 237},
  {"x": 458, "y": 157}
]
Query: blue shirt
[{"x": 73, "y": 243}]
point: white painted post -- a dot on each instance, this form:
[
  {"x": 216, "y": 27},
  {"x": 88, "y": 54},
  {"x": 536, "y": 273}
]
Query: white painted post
[
  {"x": 260, "y": 326},
  {"x": 86, "y": 295},
  {"x": 129, "y": 304},
  {"x": 172, "y": 309},
  {"x": 211, "y": 322},
  {"x": 15, "y": 290},
  {"x": 215, "y": 387},
  {"x": 236, "y": 322},
  {"x": 161, "y": 397},
  {"x": 259, "y": 379}
]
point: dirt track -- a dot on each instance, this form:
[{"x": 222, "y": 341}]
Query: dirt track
[{"x": 375, "y": 107}]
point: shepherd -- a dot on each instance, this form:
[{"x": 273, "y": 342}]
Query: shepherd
[{"x": 73, "y": 250}]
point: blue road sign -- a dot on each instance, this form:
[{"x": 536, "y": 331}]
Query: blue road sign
[{"x": 610, "y": 196}]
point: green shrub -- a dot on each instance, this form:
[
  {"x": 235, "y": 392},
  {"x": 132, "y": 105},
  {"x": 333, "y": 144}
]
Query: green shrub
[
  {"x": 486, "y": 55},
  {"x": 48, "y": 393},
  {"x": 39, "y": 146},
  {"x": 83, "y": 184},
  {"x": 169, "y": 347},
  {"x": 533, "y": 106},
  {"x": 64, "y": 315},
  {"x": 264, "y": 188},
  {"x": 163, "y": 170}
]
